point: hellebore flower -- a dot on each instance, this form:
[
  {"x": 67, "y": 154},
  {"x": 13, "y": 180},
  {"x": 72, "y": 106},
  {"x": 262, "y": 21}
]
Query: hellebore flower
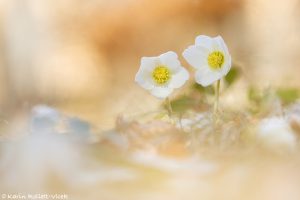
[
  {"x": 210, "y": 57},
  {"x": 161, "y": 75}
]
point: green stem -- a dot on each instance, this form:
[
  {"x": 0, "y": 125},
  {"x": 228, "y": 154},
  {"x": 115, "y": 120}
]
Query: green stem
[
  {"x": 169, "y": 107},
  {"x": 216, "y": 106}
]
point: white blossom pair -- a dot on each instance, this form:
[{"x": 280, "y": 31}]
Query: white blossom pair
[{"x": 161, "y": 75}]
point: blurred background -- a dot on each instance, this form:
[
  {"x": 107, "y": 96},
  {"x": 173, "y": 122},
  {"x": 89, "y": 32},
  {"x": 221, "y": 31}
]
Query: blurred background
[
  {"x": 68, "y": 66},
  {"x": 82, "y": 56}
]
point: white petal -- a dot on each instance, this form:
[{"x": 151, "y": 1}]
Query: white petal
[
  {"x": 221, "y": 44},
  {"x": 227, "y": 60},
  {"x": 143, "y": 78},
  {"x": 204, "y": 41},
  {"x": 226, "y": 66},
  {"x": 179, "y": 78},
  {"x": 205, "y": 76},
  {"x": 196, "y": 56},
  {"x": 149, "y": 63},
  {"x": 161, "y": 92},
  {"x": 170, "y": 59}
]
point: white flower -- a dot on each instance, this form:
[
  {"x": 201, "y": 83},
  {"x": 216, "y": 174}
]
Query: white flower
[
  {"x": 161, "y": 75},
  {"x": 210, "y": 57},
  {"x": 275, "y": 131}
]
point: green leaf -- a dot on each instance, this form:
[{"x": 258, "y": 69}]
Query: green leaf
[
  {"x": 232, "y": 76},
  {"x": 288, "y": 95}
]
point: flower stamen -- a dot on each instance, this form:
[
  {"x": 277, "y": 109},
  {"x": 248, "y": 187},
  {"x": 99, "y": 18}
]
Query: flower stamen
[
  {"x": 161, "y": 74},
  {"x": 215, "y": 60}
]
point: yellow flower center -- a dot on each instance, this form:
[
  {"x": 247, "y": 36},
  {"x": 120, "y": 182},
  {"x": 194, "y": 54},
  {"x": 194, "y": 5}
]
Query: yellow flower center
[
  {"x": 161, "y": 74},
  {"x": 215, "y": 59}
]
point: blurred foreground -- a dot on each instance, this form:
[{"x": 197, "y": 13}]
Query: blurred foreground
[{"x": 237, "y": 157}]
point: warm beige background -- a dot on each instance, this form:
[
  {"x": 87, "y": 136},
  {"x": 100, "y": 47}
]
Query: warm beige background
[{"x": 81, "y": 56}]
